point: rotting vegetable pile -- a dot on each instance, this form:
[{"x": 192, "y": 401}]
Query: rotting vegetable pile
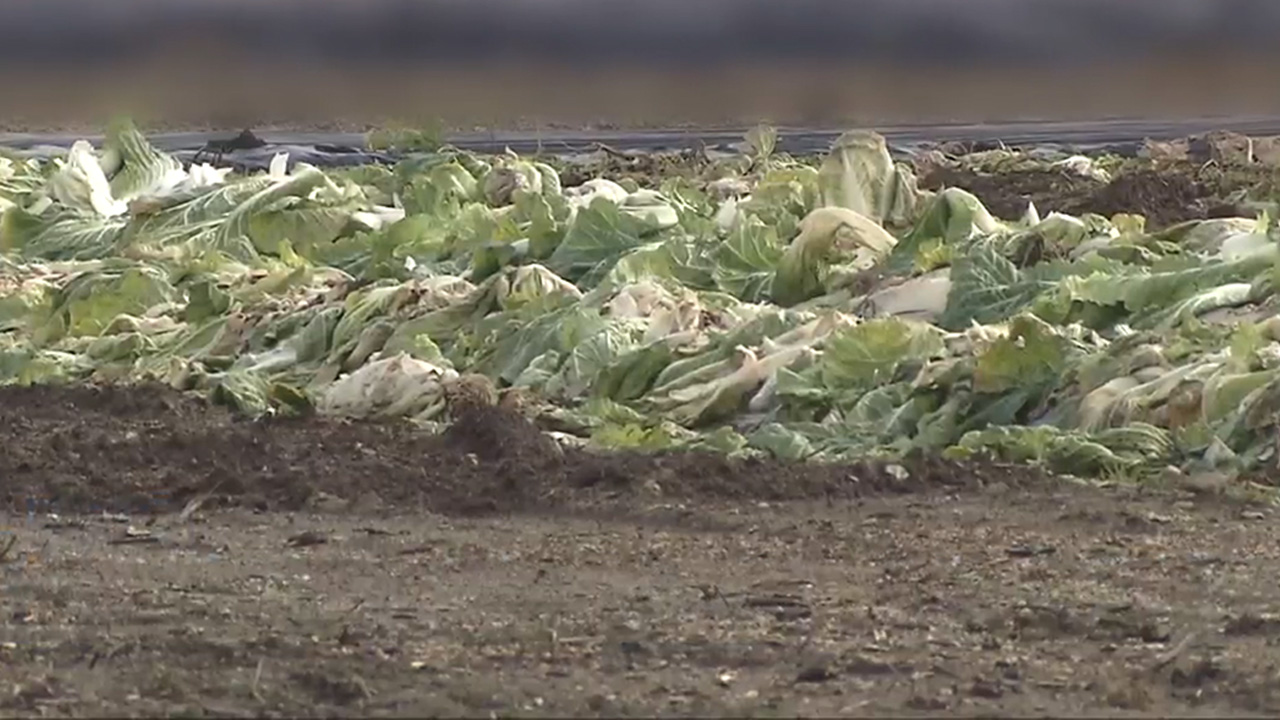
[{"x": 824, "y": 309}]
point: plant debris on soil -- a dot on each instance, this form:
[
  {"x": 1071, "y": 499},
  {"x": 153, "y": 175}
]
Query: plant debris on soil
[{"x": 373, "y": 569}]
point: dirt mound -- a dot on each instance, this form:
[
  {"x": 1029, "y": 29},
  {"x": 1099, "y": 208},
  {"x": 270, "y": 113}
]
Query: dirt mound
[
  {"x": 1164, "y": 198},
  {"x": 711, "y": 475},
  {"x": 496, "y": 435},
  {"x": 1166, "y": 193},
  {"x": 150, "y": 449},
  {"x": 1006, "y": 195}
]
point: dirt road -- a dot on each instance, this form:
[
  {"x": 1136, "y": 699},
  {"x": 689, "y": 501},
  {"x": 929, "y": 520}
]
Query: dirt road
[{"x": 369, "y": 570}]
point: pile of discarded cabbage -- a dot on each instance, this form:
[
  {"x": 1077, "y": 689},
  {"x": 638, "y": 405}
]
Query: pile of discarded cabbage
[{"x": 806, "y": 310}]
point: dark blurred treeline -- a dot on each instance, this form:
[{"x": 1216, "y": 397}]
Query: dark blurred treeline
[{"x": 47, "y": 32}]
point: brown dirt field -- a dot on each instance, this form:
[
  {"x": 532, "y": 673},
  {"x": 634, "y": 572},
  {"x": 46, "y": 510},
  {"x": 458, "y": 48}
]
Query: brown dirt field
[{"x": 358, "y": 569}]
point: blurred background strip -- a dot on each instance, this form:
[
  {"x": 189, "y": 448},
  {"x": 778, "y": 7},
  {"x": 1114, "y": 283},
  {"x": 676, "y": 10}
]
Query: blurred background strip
[{"x": 515, "y": 63}]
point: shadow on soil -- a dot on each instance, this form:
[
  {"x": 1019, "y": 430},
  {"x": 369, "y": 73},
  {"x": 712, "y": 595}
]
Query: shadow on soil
[{"x": 151, "y": 449}]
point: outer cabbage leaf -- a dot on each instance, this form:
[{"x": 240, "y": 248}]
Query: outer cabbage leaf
[
  {"x": 870, "y": 354},
  {"x": 598, "y": 235}
]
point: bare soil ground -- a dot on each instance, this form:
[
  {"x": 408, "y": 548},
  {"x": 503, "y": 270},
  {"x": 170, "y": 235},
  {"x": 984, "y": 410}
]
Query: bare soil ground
[
  {"x": 1164, "y": 192},
  {"x": 359, "y": 569}
]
